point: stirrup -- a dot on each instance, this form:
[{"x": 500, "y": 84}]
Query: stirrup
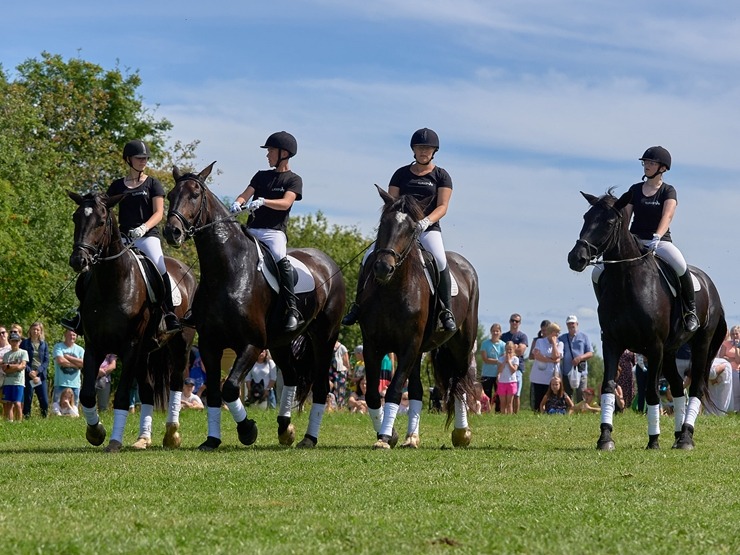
[{"x": 172, "y": 323}]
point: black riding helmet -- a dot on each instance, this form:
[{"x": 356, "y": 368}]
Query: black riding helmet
[
  {"x": 137, "y": 147},
  {"x": 659, "y": 155},
  {"x": 282, "y": 140},
  {"x": 425, "y": 137}
]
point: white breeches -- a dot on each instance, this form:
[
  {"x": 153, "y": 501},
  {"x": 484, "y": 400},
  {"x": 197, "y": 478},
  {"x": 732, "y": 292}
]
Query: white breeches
[{"x": 275, "y": 240}]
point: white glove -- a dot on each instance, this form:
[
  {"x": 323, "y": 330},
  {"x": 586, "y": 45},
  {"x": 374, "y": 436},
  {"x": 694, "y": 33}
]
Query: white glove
[
  {"x": 236, "y": 208},
  {"x": 653, "y": 244},
  {"x": 138, "y": 232},
  {"x": 422, "y": 225},
  {"x": 254, "y": 204}
]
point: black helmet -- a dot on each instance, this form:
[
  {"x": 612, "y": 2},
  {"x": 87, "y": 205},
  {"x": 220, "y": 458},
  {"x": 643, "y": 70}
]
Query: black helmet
[
  {"x": 425, "y": 137},
  {"x": 137, "y": 147},
  {"x": 658, "y": 154},
  {"x": 284, "y": 141}
]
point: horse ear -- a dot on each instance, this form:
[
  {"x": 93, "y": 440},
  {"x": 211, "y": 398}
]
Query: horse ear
[
  {"x": 176, "y": 173},
  {"x": 75, "y": 197},
  {"x": 590, "y": 198},
  {"x": 110, "y": 202},
  {"x": 206, "y": 171},
  {"x": 623, "y": 201},
  {"x": 387, "y": 199}
]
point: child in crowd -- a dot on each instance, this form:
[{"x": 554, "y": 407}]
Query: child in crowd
[
  {"x": 67, "y": 405},
  {"x": 556, "y": 400},
  {"x": 14, "y": 365},
  {"x": 588, "y": 405},
  {"x": 507, "y": 383}
]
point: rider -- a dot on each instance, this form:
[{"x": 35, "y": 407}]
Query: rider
[
  {"x": 140, "y": 211},
  {"x": 653, "y": 203},
  {"x": 276, "y": 190},
  {"x": 423, "y": 179}
]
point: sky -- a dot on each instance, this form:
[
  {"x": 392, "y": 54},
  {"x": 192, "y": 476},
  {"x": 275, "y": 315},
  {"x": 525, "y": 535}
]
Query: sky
[{"x": 533, "y": 101}]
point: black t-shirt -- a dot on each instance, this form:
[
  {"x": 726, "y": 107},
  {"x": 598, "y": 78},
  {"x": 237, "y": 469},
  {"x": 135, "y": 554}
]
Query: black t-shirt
[
  {"x": 647, "y": 211},
  {"x": 137, "y": 206},
  {"x": 422, "y": 187},
  {"x": 271, "y": 184}
]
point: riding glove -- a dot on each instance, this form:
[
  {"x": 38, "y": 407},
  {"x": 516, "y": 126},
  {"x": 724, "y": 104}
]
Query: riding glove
[
  {"x": 254, "y": 204},
  {"x": 236, "y": 207},
  {"x": 138, "y": 232},
  {"x": 422, "y": 225},
  {"x": 653, "y": 244}
]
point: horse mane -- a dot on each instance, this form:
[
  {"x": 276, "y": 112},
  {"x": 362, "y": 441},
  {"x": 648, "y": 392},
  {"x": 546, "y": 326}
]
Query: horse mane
[{"x": 406, "y": 204}]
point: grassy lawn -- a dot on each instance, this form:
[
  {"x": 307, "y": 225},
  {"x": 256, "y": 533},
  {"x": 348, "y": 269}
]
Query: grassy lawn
[{"x": 527, "y": 484}]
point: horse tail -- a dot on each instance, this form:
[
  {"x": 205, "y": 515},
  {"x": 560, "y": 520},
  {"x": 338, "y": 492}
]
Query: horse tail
[{"x": 453, "y": 378}]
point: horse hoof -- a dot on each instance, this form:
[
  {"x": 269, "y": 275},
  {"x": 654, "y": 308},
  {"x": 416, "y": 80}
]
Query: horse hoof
[
  {"x": 95, "y": 435},
  {"x": 394, "y": 438},
  {"x": 461, "y": 437},
  {"x": 171, "y": 439},
  {"x": 288, "y": 436},
  {"x": 210, "y": 444},
  {"x": 607, "y": 445},
  {"x": 653, "y": 442},
  {"x": 306, "y": 443},
  {"x": 380, "y": 444},
  {"x": 685, "y": 442},
  {"x": 412, "y": 442},
  {"x": 247, "y": 431},
  {"x": 114, "y": 446},
  {"x": 142, "y": 443}
]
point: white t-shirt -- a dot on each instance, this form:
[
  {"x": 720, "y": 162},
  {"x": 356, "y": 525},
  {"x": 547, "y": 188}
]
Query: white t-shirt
[
  {"x": 542, "y": 372},
  {"x": 264, "y": 372},
  {"x": 505, "y": 374}
]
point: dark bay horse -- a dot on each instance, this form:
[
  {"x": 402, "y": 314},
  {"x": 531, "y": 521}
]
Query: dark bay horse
[
  {"x": 399, "y": 315},
  {"x": 119, "y": 318},
  {"x": 638, "y": 311},
  {"x": 235, "y": 307}
]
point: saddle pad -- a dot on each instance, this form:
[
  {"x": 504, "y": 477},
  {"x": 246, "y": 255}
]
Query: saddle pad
[
  {"x": 176, "y": 295},
  {"x": 305, "y": 283},
  {"x": 454, "y": 290}
]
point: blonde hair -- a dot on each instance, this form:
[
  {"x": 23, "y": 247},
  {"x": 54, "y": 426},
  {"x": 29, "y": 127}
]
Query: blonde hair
[{"x": 551, "y": 328}]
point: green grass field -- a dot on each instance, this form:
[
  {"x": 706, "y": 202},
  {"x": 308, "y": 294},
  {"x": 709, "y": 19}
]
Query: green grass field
[{"x": 528, "y": 484}]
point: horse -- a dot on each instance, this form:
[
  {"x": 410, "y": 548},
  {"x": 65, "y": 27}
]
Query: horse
[
  {"x": 398, "y": 315},
  {"x": 639, "y": 311},
  {"x": 236, "y": 307},
  {"x": 119, "y": 317}
]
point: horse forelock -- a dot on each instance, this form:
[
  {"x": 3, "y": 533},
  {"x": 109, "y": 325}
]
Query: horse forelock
[{"x": 406, "y": 204}]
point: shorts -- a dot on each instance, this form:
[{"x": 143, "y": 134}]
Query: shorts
[
  {"x": 509, "y": 388},
  {"x": 13, "y": 393}
]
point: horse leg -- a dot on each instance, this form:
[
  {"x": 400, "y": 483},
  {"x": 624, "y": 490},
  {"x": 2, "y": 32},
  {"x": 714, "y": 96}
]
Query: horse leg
[
  {"x": 176, "y": 360},
  {"x": 461, "y": 434},
  {"x": 245, "y": 428},
  {"x": 211, "y": 357},
  {"x": 652, "y": 397},
  {"x": 121, "y": 404},
  {"x": 372, "y": 376},
  {"x": 95, "y": 432},
  {"x": 608, "y": 387},
  {"x": 416, "y": 394},
  {"x": 388, "y": 437},
  {"x": 146, "y": 394},
  {"x": 675, "y": 382}
]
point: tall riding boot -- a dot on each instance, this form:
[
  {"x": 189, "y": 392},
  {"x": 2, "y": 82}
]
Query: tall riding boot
[
  {"x": 690, "y": 318},
  {"x": 73, "y": 323},
  {"x": 445, "y": 292},
  {"x": 350, "y": 319},
  {"x": 171, "y": 322},
  {"x": 287, "y": 291}
]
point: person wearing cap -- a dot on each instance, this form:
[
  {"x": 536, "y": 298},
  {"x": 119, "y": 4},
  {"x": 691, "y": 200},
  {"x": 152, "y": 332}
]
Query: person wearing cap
[
  {"x": 14, "y": 366},
  {"x": 272, "y": 193},
  {"x": 139, "y": 213},
  {"x": 653, "y": 204},
  {"x": 577, "y": 350},
  {"x": 426, "y": 182},
  {"x": 189, "y": 399}
]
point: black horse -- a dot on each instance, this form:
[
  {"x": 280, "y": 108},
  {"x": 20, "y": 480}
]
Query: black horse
[
  {"x": 119, "y": 317},
  {"x": 638, "y": 311},
  {"x": 235, "y": 307},
  {"x": 398, "y": 315}
]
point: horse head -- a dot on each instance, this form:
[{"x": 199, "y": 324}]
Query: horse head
[
  {"x": 397, "y": 233},
  {"x": 95, "y": 228},
  {"x": 602, "y": 224},
  {"x": 188, "y": 205}
]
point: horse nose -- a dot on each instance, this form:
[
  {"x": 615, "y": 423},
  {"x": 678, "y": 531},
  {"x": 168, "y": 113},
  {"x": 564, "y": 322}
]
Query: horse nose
[
  {"x": 383, "y": 271},
  {"x": 577, "y": 260},
  {"x": 173, "y": 235},
  {"x": 78, "y": 262}
]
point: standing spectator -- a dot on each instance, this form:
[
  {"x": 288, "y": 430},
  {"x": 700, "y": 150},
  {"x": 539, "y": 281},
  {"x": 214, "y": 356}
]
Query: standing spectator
[
  {"x": 577, "y": 351},
  {"x": 102, "y": 383},
  {"x": 626, "y": 376},
  {"x": 491, "y": 350},
  {"x": 507, "y": 385},
  {"x": 67, "y": 364},
  {"x": 339, "y": 372},
  {"x": 4, "y": 348},
  {"x": 14, "y": 366},
  {"x": 189, "y": 399},
  {"x": 36, "y": 370},
  {"x": 730, "y": 351},
  {"x": 520, "y": 348},
  {"x": 720, "y": 388},
  {"x": 548, "y": 351},
  {"x": 264, "y": 373}
]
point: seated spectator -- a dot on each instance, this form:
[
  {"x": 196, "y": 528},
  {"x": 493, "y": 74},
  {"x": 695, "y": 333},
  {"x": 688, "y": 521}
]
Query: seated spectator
[
  {"x": 14, "y": 366},
  {"x": 720, "y": 388},
  {"x": 196, "y": 371},
  {"x": 556, "y": 400},
  {"x": 358, "y": 370},
  {"x": 331, "y": 403},
  {"x": 356, "y": 401},
  {"x": 403, "y": 407},
  {"x": 67, "y": 406},
  {"x": 261, "y": 380},
  {"x": 588, "y": 404},
  {"x": 189, "y": 399}
]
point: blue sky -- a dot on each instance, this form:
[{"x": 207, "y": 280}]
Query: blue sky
[{"x": 533, "y": 100}]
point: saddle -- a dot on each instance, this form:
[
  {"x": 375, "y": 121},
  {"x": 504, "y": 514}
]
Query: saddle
[
  {"x": 671, "y": 279},
  {"x": 431, "y": 272}
]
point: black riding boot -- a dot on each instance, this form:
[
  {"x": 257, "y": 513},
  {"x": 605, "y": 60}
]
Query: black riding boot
[
  {"x": 690, "y": 318},
  {"x": 171, "y": 322},
  {"x": 73, "y": 323},
  {"x": 287, "y": 291},
  {"x": 350, "y": 319},
  {"x": 445, "y": 292}
]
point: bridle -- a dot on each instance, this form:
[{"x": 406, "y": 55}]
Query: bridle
[
  {"x": 196, "y": 226},
  {"x": 95, "y": 251},
  {"x": 400, "y": 257},
  {"x": 611, "y": 241}
]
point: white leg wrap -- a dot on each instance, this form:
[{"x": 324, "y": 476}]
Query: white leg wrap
[
  {"x": 287, "y": 399},
  {"x": 693, "y": 411},
  {"x": 415, "y": 408},
  {"x": 214, "y": 422},
  {"x": 390, "y": 410},
  {"x": 607, "y": 408},
  {"x": 314, "y": 419},
  {"x": 119, "y": 424},
  {"x": 237, "y": 410},
  {"x": 653, "y": 416},
  {"x": 145, "y": 422},
  {"x": 91, "y": 415},
  {"x": 376, "y": 417},
  {"x": 679, "y": 412},
  {"x": 173, "y": 413},
  {"x": 461, "y": 413}
]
